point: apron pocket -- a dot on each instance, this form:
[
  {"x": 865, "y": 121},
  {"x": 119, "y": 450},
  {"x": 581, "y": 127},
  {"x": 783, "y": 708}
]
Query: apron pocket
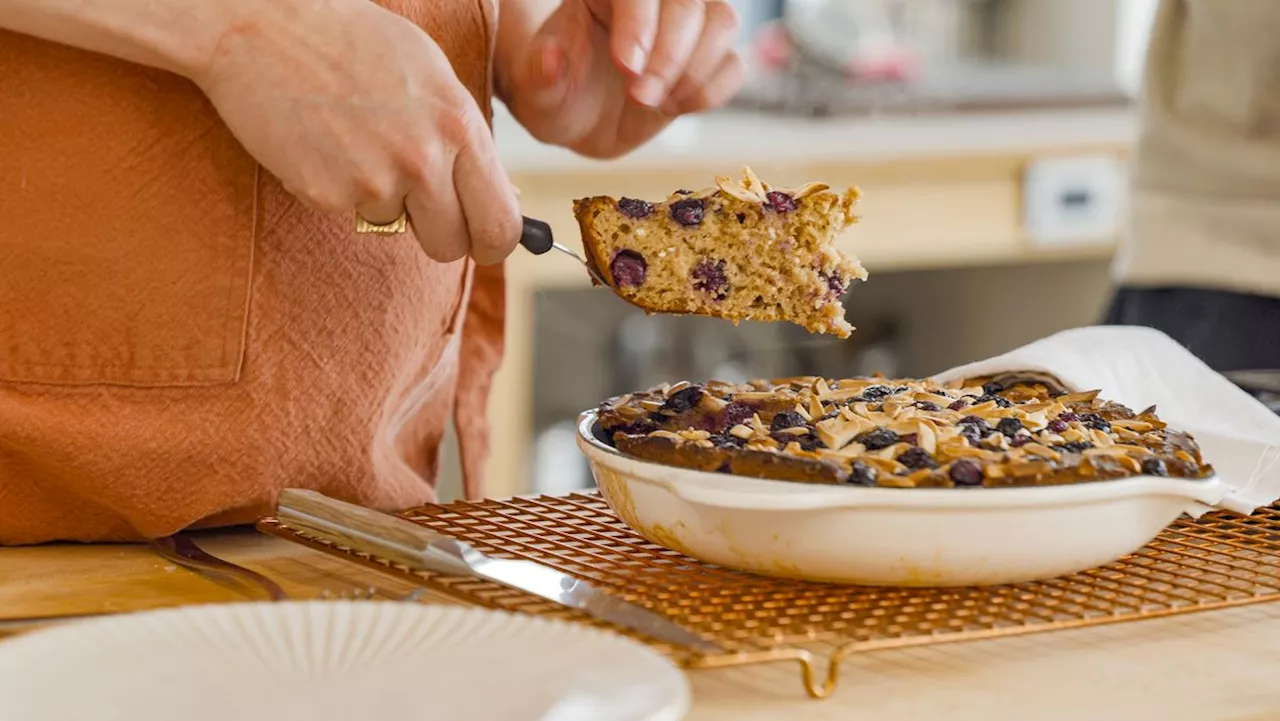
[{"x": 127, "y": 246}]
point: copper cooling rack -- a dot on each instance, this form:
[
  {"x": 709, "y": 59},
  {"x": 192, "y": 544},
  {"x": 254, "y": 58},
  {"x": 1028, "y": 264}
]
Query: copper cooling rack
[{"x": 1217, "y": 561}]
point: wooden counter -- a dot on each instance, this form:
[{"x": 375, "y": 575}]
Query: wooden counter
[
  {"x": 1216, "y": 666},
  {"x": 938, "y": 192}
]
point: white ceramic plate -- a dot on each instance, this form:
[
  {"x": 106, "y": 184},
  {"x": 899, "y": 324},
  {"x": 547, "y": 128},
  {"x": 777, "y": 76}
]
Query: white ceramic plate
[{"x": 334, "y": 660}]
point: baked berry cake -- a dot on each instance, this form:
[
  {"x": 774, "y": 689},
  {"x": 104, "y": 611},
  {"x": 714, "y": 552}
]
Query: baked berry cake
[
  {"x": 1006, "y": 431},
  {"x": 741, "y": 251}
]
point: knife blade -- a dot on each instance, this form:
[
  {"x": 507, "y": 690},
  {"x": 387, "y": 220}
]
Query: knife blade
[{"x": 420, "y": 548}]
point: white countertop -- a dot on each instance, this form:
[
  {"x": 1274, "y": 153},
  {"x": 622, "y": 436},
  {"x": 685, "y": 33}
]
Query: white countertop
[{"x": 734, "y": 137}]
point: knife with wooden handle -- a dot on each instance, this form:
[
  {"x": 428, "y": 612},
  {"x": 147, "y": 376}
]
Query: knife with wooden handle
[{"x": 411, "y": 545}]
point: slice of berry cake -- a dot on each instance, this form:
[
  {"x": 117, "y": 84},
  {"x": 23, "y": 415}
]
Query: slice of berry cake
[{"x": 741, "y": 251}]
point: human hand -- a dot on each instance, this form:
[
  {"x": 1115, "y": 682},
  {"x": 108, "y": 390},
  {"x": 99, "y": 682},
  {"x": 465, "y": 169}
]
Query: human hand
[
  {"x": 602, "y": 77},
  {"x": 357, "y": 108}
]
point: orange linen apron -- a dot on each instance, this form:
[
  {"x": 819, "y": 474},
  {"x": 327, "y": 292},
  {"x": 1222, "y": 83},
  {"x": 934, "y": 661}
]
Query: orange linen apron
[{"x": 180, "y": 338}]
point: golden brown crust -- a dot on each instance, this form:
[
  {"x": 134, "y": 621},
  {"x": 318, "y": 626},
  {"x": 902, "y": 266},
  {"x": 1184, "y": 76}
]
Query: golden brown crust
[{"x": 1010, "y": 430}]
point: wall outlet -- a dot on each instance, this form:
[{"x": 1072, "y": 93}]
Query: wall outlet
[{"x": 1074, "y": 199}]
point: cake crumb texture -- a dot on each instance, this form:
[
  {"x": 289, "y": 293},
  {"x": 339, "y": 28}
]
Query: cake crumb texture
[{"x": 739, "y": 251}]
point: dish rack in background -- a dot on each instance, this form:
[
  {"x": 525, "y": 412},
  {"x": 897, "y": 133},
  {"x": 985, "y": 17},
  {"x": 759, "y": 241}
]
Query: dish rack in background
[{"x": 1220, "y": 560}]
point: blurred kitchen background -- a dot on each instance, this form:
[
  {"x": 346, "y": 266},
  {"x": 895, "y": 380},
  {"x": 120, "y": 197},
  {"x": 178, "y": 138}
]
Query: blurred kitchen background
[{"x": 989, "y": 138}]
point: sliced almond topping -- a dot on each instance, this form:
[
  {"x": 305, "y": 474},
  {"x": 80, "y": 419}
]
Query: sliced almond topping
[
  {"x": 809, "y": 189},
  {"x": 1035, "y": 421},
  {"x": 926, "y": 437},
  {"x": 672, "y": 390},
  {"x": 822, "y": 389},
  {"x": 1043, "y": 451},
  {"x": 1101, "y": 438},
  {"x": 816, "y": 410},
  {"x": 695, "y": 435},
  {"x": 902, "y": 426},
  {"x": 741, "y": 431},
  {"x": 631, "y": 412},
  {"x": 1081, "y": 397},
  {"x": 753, "y": 183},
  {"x": 704, "y": 444},
  {"x": 795, "y": 431},
  {"x": 804, "y": 412},
  {"x": 668, "y": 435},
  {"x": 755, "y": 396},
  {"x": 651, "y": 405},
  {"x": 1139, "y": 426},
  {"x": 711, "y": 403},
  {"x": 835, "y": 433},
  {"x": 1076, "y": 435},
  {"x": 735, "y": 189}
]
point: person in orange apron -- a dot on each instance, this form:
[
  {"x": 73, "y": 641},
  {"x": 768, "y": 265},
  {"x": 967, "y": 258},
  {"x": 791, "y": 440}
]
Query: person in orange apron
[{"x": 208, "y": 288}]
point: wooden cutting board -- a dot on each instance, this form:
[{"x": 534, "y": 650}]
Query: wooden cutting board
[{"x": 63, "y": 581}]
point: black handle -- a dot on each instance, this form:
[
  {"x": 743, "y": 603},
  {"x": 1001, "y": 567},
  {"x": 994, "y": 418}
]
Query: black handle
[{"x": 536, "y": 237}]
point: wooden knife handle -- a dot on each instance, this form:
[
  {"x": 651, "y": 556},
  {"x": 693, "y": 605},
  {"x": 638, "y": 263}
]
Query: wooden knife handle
[{"x": 363, "y": 529}]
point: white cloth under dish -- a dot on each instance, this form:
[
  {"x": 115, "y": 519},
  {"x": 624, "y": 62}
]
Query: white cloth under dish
[{"x": 1140, "y": 367}]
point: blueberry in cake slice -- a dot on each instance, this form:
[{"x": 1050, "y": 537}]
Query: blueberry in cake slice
[
  {"x": 740, "y": 251},
  {"x": 984, "y": 432}
]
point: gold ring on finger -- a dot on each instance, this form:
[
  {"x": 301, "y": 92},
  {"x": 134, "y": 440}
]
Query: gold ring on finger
[{"x": 395, "y": 227}]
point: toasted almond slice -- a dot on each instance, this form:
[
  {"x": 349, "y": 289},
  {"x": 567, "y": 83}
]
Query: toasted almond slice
[
  {"x": 672, "y": 390},
  {"x": 1133, "y": 425},
  {"x": 1042, "y": 451},
  {"x": 808, "y": 189},
  {"x": 712, "y": 403},
  {"x": 741, "y": 431},
  {"x": 1035, "y": 421},
  {"x": 804, "y": 412},
  {"x": 631, "y": 412},
  {"x": 816, "y": 410},
  {"x": 836, "y": 433},
  {"x": 926, "y": 437},
  {"x": 1076, "y": 435},
  {"x": 651, "y": 405},
  {"x": 902, "y": 426},
  {"x": 732, "y": 188},
  {"x": 794, "y": 431},
  {"x": 751, "y": 182},
  {"x": 983, "y": 410},
  {"x": 755, "y": 396},
  {"x": 668, "y": 435},
  {"x": 1102, "y": 438},
  {"x": 1081, "y": 397},
  {"x": 822, "y": 389}
]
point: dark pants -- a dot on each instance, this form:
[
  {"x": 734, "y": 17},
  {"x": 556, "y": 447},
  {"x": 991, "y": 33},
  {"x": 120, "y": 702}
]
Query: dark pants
[{"x": 1228, "y": 331}]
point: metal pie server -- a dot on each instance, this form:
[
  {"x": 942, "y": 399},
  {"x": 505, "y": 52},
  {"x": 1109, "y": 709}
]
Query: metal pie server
[{"x": 419, "y": 548}]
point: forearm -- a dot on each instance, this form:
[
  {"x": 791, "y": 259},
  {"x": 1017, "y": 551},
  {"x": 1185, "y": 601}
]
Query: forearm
[
  {"x": 176, "y": 35},
  {"x": 518, "y": 21}
]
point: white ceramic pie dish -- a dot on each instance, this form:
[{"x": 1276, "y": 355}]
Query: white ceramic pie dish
[{"x": 889, "y": 536}]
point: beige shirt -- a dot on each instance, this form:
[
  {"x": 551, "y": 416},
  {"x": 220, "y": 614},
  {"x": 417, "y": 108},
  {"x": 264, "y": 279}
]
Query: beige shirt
[{"x": 1206, "y": 201}]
